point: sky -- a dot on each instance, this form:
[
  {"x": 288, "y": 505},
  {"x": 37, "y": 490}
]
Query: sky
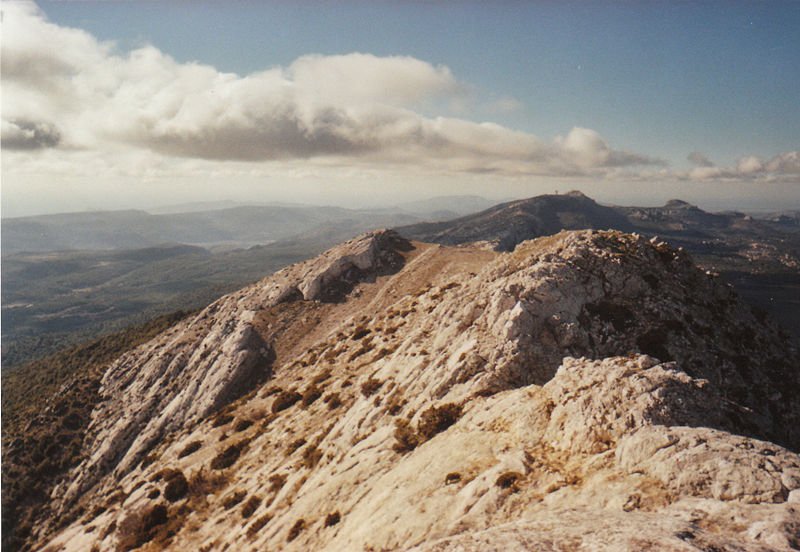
[{"x": 112, "y": 105}]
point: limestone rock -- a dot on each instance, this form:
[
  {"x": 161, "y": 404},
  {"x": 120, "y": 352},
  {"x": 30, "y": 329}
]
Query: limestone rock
[{"x": 589, "y": 390}]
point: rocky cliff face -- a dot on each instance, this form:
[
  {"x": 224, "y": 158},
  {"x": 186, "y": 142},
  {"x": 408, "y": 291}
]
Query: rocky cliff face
[{"x": 589, "y": 390}]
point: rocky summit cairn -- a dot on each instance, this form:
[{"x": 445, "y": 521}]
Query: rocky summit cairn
[{"x": 585, "y": 391}]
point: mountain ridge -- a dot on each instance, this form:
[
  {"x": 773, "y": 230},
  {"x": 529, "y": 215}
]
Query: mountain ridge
[{"x": 404, "y": 395}]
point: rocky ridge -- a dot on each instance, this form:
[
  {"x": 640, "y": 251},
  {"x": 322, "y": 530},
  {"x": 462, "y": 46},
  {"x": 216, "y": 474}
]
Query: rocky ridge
[{"x": 587, "y": 390}]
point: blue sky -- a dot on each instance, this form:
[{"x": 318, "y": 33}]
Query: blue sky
[{"x": 646, "y": 85}]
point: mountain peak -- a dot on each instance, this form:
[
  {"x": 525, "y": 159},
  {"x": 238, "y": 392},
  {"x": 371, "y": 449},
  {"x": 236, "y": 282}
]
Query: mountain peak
[
  {"x": 409, "y": 396},
  {"x": 677, "y": 204}
]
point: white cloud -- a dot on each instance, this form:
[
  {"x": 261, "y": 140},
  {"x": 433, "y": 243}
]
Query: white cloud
[
  {"x": 66, "y": 91},
  {"x": 784, "y": 167}
]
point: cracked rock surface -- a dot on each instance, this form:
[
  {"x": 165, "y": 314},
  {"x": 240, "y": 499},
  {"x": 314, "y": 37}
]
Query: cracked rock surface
[{"x": 588, "y": 390}]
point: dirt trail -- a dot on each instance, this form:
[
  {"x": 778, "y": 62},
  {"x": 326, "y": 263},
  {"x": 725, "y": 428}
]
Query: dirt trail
[{"x": 294, "y": 327}]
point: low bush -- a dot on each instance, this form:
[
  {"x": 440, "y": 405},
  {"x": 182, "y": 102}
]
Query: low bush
[
  {"x": 311, "y": 394},
  {"x": 405, "y": 436},
  {"x": 141, "y": 526},
  {"x": 311, "y": 456},
  {"x": 177, "y": 487},
  {"x": 294, "y": 445},
  {"x": 241, "y": 425},
  {"x": 284, "y": 400},
  {"x": 258, "y": 524},
  {"x": 432, "y": 421},
  {"x": 191, "y": 448},
  {"x": 370, "y": 386},
  {"x": 333, "y": 401},
  {"x": 276, "y": 482},
  {"x": 332, "y": 519},
  {"x": 509, "y": 480},
  {"x": 227, "y": 457},
  {"x": 249, "y": 507},
  {"x": 222, "y": 419},
  {"x": 233, "y": 499},
  {"x": 436, "y": 419},
  {"x": 298, "y": 526}
]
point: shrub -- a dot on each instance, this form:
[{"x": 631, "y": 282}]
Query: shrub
[
  {"x": 249, "y": 507},
  {"x": 233, "y": 499},
  {"x": 177, "y": 487},
  {"x": 405, "y": 435},
  {"x": 332, "y": 519},
  {"x": 432, "y": 421},
  {"x": 191, "y": 448},
  {"x": 141, "y": 526},
  {"x": 436, "y": 419},
  {"x": 284, "y": 400},
  {"x": 311, "y": 456},
  {"x": 509, "y": 480},
  {"x": 258, "y": 524},
  {"x": 276, "y": 482},
  {"x": 222, "y": 419},
  {"x": 395, "y": 405},
  {"x": 333, "y": 400},
  {"x": 452, "y": 477},
  {"x": 203, "y": 483},
  {"x": 241, "y": 425},
  {"x": 311, "y": 394},
  {"x": 294, "y": 445},
  {"x": 298, "y": 526},
  {"x": 227, "y": 457}
]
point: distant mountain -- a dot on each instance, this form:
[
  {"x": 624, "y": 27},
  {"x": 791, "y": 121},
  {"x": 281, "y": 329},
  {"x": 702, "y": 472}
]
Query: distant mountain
[
  {"x": 54, "y": 299},
  {"x": 760, "y": 256},
  {"x": 446, "y": 207},
  {"x": 241, "y": 226}
]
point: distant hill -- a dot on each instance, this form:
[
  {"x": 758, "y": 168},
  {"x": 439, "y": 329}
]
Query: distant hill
[
  {"x": 208, "y": 224},
  {"x": 241, "y": 226},
  {"x": 510, "y": 223},
  {"x": 51, "y": 300},
  {"x": 759, "y": 255}
]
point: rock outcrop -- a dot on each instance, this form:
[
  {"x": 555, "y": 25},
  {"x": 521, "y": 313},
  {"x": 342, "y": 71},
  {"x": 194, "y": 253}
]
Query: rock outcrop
[{"x": 589, "y": 390}]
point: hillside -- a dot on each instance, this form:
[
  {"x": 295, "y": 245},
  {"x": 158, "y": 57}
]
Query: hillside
[
  {"x": 56, "y": 299},
  {"x": 587, "y": 390},
  {"x": 761, "y": 257}
]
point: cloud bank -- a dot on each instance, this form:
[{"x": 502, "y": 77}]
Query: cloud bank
[
  {"x": 67, "y": 96},
  {"x": 784, "y": 167},
  {"x": 66, "y": 91}
]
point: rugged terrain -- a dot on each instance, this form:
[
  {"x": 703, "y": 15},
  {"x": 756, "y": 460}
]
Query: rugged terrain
[
  {"x": 588, "y": 390},
  {"x": 54, "y": 299},
  {"x": 759, "y": 256}
]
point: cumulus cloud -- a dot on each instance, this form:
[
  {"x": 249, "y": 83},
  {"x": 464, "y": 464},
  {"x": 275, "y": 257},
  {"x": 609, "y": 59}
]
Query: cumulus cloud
[
  {"x": 63, "y": 89},
  {"x": 699, "y": 159},
  {"x": 784, "y": 167},
  {"x": 29, "y": 135}
]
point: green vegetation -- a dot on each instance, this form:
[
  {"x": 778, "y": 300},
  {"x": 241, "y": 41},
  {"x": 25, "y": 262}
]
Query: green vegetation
[
  {"x": 46, "y": 406},
  {"x": 58, "y": 299}
]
